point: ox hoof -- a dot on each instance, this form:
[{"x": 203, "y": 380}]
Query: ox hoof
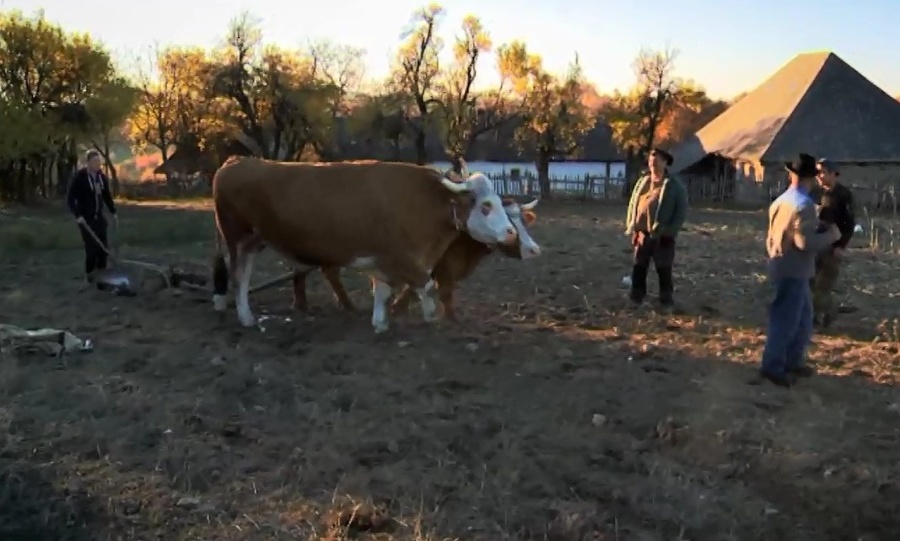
[
  {"x": 219, "y": 303},
  {"x": 380, "y": 326},
  {"x": 247, "y": 320}
]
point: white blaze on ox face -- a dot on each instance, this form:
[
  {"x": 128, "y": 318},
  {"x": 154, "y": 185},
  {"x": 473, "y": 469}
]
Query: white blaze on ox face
[
  {"x": 528, "y": 248},
  {"x": 487, "y": 222}
]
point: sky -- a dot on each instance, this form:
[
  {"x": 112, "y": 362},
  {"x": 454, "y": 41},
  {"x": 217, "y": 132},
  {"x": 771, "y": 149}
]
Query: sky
[{"x": 728, "y": 46}]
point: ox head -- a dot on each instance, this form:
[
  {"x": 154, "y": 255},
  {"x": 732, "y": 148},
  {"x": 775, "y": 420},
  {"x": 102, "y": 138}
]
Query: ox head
[
  {"x": 522, "y": 216},
  {"x": 487, "y": 221}
]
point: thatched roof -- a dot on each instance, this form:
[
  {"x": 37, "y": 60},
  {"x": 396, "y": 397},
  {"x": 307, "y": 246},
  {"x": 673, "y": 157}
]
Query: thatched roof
[
  {"x": 188, "y": 158},
  {"x": 816, "y": 103}
]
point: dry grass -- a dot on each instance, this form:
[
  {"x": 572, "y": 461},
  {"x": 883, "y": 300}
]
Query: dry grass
[{"x": 550, "y": 412}]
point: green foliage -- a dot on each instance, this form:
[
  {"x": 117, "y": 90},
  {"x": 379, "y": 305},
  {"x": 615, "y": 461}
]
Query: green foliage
[
  {"x": 57, "y": 91},
  {"x": 60, "y": 92},
  {"x": 554, "y": 116},
  {"x": 660, "y": 108}
]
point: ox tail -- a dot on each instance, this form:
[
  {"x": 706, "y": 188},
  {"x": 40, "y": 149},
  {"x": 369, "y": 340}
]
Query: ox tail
[{"x": 220, "y": 276}]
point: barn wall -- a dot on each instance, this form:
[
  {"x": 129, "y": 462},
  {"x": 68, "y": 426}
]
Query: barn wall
[
  {"x": 750, "y": 182},
  {"x": 872, "y": 183},
  {"x": 757, "y": 183}
]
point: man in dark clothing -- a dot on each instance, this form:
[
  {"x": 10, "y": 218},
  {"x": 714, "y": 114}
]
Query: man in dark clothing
[
  {"x": 88, "y": 194},
  {"x": 792, "y": 243},
  {"x": 656, "y": 213},
  {"x": 835, "y": 208}
]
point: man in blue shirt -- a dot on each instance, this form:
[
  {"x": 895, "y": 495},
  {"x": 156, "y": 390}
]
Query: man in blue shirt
[{"x": 792, "y": 244}]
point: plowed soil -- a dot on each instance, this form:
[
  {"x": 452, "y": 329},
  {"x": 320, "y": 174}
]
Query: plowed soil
[{"x": 551, "y": 411}]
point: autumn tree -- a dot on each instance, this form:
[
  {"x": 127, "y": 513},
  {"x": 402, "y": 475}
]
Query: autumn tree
[
  {"x": 115, "y": 101},
  {"x": 340, "y": 71},
  {"x": 58, "y": 91},
  {"x": 636, "y": 114},
  {"x": 281, "y": 106},
  {"x": 379, "y": 118},
  {"x": 152, "y": 123},
  {"x": 554, "y": 118},
  {"x": 690, "y": 109},
  {"x": 458, "y": 102},
  {"x": 416, "y": 74}
]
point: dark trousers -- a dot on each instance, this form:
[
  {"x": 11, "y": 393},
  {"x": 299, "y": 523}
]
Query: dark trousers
[
  {"x": 827, "y": 271},
  {"x": 94, "y": 255},
  {"x": 790, "y": 327},
  {"x": 660, "y": 251}
]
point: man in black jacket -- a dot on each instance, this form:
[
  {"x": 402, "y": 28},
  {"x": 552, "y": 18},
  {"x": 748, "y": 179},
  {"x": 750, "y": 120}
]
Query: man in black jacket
[
  {"x": 88, "y": 194},
  {"x": 836, "y": 207}
]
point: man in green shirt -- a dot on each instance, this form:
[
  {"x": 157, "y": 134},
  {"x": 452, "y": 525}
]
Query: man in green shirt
[{"x": 656, "y": 214}]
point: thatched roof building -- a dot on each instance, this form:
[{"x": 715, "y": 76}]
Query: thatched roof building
[{"x": 816, "y": 103}]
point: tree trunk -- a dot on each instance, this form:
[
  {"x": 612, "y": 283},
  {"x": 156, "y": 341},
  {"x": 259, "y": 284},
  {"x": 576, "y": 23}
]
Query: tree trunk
[
  {"x": 421, "y": 151},
  {"x": 396, "y": 148},
  {"x": 542, "y": 164},
  {"x": 456, "y": 162}
]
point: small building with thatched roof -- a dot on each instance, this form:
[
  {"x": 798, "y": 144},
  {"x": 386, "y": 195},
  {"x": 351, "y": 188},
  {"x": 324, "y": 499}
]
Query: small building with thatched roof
[
  {"x": 817, "y": 104},
  {"x": 189, "y": 159}
]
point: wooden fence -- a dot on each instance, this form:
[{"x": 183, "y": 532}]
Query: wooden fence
[
  {"x": 587, "y": 187},
  {"x": 583, "y": 188}
]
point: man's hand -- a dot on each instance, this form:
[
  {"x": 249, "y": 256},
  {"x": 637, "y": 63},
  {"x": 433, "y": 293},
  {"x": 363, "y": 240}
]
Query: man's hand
[{"x": 80, "y": 220}]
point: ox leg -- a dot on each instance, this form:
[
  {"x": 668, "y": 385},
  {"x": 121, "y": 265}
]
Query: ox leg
[
  {"x": 429, "y": 306},
  {"x": 401, "y": 302},
  {"x": 333, "y": 276},
  {"x": 445, "y": 293},
  {"x": 381, "y": 295},
  {"x": 299, "y": 286},
  {"x": 243, "y": 271}
]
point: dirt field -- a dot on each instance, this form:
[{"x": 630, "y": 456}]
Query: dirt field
[{"x": 550, "y": 412}]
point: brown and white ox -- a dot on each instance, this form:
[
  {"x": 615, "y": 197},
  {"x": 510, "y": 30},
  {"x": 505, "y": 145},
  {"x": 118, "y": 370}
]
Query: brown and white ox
[
  {"x": 458, "y": 263},
  {"x": 390, "y": 220}
]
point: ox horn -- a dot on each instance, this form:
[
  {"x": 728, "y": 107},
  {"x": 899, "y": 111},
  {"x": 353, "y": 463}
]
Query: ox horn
[
  {"x": 529, "y": 206},
  {"x": 455, "y": 187}
]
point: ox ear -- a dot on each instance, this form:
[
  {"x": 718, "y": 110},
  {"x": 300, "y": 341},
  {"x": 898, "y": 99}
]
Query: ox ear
[{"x": 528, "y": 218}]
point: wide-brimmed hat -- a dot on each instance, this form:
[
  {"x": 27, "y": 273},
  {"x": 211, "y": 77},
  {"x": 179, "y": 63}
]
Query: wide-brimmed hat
[
  {"x": 804, "y": 166},
  {"x": 665, "y": 154}
]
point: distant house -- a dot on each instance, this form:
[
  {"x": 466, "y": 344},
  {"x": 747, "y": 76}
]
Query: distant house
[
  {"x": 817, "y": 104},
  {"x": 189, "y": 159}
]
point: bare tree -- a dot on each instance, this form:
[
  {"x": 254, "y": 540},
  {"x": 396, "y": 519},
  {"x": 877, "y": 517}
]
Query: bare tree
[
  {"x": 636, "y": 115},
  {"x": 416, "y": 73},
  {"x": 463, "y": 116}
]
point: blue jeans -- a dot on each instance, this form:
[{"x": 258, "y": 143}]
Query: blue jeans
[{"x": 790, "y": 327}]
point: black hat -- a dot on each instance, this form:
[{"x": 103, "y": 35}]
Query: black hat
[
  {"x": 804, "y": 166},
  {"x": 660, "y": 152}
]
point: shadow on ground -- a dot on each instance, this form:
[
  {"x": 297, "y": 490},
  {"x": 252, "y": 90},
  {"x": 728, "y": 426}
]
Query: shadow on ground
[{"x": 35, "y": 504}]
